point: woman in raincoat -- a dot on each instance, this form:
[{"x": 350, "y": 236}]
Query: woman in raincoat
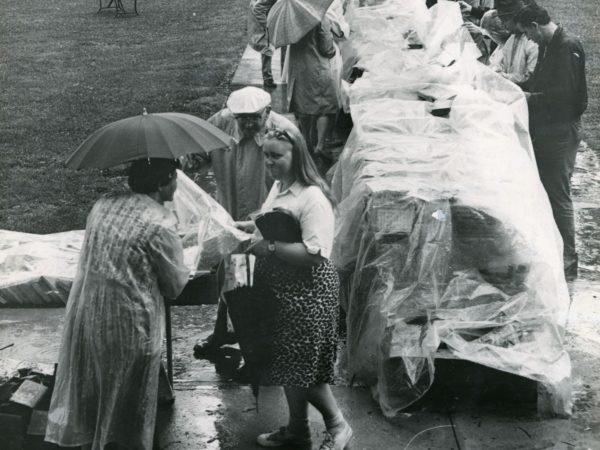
[
  {"x": 312, "y": 88},
  {"x": 106, "y": 387}
]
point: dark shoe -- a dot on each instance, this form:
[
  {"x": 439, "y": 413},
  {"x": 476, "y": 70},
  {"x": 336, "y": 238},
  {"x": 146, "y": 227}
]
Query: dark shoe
[
  {"x": 212, "y": 344},
  {"x": 283, "y": 438},
  {"x": 269, "y": 84},
  {"x": 339, "y": 441}
]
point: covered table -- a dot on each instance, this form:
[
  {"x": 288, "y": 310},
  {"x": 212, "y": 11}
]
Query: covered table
[{"x": 444, "y": 236}]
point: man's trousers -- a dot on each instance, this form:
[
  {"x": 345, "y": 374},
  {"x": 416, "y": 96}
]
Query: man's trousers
[{"x": 555, "y": 149}]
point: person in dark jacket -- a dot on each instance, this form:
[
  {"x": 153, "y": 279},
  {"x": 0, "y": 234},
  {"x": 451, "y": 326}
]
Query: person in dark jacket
[{"x": 557, "y": 97}]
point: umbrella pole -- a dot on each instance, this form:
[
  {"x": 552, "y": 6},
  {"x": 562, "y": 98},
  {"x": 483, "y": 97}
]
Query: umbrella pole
[{"x": 169, "y": 342}]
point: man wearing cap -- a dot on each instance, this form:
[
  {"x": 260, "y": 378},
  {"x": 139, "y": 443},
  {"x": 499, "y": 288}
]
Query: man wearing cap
[
  {"x": 240, "y": 172},
  {"x": 556, "y": 97}
]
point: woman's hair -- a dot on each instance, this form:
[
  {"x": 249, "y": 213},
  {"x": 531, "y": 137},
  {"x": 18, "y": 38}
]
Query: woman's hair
[
  {"x": 303, "y": 167},
  {"x": 148, "y": 174}
]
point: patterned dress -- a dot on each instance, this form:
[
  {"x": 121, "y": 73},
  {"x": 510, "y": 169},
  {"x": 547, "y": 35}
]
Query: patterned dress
[
  {"x": 107, "y": 379},
  {"x": 306, "y": 330}
]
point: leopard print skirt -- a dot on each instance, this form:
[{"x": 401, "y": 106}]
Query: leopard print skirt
[{"x": 306, "y": 329}]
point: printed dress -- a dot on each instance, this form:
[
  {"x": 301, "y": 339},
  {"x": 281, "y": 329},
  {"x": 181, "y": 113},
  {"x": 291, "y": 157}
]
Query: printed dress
[{"x": 107, "y": 379}]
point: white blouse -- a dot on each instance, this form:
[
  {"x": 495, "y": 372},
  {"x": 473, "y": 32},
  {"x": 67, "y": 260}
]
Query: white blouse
[{"x": 311, "y": 208}]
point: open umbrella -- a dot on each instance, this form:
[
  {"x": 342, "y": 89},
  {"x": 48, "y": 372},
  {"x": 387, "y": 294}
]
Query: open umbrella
[
  {"x": 160, "y": 135},
  {"x": 290, "y": 20}
]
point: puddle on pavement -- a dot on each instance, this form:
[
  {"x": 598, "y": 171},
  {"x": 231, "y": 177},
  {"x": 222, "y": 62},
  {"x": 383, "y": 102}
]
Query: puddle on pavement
[
  {"x": 586, "y": 195},
  {"x": 34, "y": 332}
]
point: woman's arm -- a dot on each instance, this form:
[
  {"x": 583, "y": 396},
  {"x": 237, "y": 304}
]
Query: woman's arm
[
  {"x": 292, "y": 253},
  {"x": 167, "y": 259}
]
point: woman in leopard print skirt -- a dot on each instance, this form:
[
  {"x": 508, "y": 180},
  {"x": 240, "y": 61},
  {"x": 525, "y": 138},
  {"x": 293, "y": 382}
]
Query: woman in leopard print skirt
[{"x": 305, "y": 286}]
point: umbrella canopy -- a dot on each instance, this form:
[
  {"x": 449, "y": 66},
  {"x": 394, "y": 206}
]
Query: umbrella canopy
[
  {"x": 160, "y": 135},
  {"x": 290, "y": 20}
]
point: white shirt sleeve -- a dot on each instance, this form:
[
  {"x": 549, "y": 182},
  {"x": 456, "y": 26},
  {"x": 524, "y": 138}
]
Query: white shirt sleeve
[{"x": 317, "y": 222}]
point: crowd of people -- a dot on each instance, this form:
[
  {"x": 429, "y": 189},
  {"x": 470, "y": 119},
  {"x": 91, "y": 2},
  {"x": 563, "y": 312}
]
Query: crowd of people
[{"x": 106, "y": 384}]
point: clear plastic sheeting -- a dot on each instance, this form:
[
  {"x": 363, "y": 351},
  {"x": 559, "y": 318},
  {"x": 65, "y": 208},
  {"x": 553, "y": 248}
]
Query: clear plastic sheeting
[
  {"x": 208, "y": 231},
  {"x": 445, "y": 236},
  {"x": 38, "y": 270}
]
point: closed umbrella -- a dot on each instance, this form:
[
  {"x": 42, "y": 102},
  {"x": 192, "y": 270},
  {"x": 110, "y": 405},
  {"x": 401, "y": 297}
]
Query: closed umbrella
[
  {"x": 159, "y": 135},
  {"x": 290, "y": 20}
]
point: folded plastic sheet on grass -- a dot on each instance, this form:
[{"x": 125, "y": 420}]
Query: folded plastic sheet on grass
[
  {"x": 444, "y": 232},
  {"x": 38, "y": 270}
]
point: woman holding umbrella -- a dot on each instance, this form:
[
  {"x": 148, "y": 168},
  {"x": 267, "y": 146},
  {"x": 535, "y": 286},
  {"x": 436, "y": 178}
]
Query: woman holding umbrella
[
  {"x": 105, "y": 394},
  {"x": 305, "y": 286},
  {"x": 312, "y": 88}
]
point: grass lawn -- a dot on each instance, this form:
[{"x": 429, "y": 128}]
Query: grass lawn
[{"x": 66, "y": 71}]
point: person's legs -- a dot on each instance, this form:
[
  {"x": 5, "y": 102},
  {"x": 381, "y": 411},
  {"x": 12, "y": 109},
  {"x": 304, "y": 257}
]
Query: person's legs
[
  {"x": 297, "y": 400},
  {"x": 321, "y": 397},
  {"x": 556, "y": 168},
  {"x": 323, "y": 128},
  {"x": 297, "y": 431},
  {"x": 339, "y": 431},
  {"x": 306, "y": 125},
  {"x": 220, "y": 335},
  {"x": 267, "y": 74}
]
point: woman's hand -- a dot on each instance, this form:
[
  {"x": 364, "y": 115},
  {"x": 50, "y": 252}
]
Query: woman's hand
[
  {"x": 245, "y": 225},
  {"x": 259, "y": 249}
]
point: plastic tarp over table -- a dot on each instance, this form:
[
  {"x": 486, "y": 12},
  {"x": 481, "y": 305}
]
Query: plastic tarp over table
[
  {"x": 444, "y": 233},
  {"x": 38, "y": 270}
]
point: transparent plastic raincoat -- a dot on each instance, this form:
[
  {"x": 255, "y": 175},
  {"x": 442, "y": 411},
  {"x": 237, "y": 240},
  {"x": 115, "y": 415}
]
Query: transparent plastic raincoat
[{"x": 107, "y": 380}]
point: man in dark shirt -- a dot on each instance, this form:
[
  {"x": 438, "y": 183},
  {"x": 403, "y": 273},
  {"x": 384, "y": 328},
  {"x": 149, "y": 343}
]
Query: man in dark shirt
[{"x": 557, "y": 97}]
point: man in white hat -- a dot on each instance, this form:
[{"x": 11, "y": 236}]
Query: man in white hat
[{"x": 240, "y": 173}]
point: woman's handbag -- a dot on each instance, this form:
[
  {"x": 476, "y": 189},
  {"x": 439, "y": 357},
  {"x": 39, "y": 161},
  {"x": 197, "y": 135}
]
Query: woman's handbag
[{"x": 279, "y": 225}]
